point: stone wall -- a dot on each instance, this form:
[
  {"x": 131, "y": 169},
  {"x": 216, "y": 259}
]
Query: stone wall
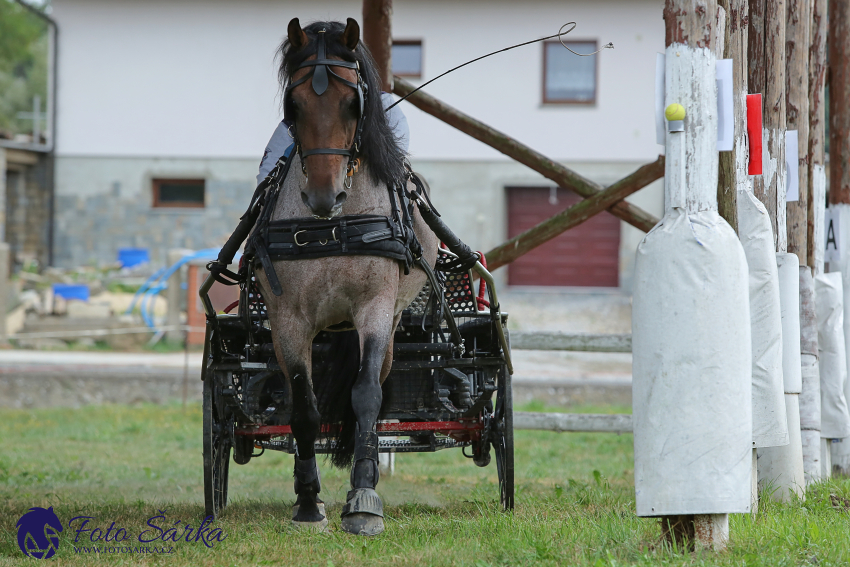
[
  {"x": 104, "y": 204},
  {"x": 26, "y": 205}
]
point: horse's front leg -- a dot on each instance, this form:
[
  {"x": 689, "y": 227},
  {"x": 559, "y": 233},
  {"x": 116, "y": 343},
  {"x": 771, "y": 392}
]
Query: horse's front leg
[
  {"x": 363, "y": 510},
  {"x": 295, "y": 350}
]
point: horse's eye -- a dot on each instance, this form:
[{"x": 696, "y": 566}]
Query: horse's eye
[{"x": 354, "y": 107}]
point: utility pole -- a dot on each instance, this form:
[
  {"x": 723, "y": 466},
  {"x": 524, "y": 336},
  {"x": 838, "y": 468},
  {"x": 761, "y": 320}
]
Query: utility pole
[{"x": 378, "y": 36}]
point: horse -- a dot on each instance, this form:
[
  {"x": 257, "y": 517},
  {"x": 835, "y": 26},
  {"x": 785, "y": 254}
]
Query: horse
[{"x": 345, "y": 158}]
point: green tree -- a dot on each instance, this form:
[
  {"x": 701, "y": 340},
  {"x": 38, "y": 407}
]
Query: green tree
[{"x": 23, "y": 65}]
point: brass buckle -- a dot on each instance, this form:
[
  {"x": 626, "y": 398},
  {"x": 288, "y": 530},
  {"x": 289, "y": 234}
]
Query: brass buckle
[{"x": 295, "y": 238}]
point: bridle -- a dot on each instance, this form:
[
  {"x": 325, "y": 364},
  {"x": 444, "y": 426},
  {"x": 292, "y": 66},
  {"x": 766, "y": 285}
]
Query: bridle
[{"x": 320, "y": 72}]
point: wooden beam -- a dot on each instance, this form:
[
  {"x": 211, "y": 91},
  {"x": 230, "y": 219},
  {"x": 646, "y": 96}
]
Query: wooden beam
[
  {"x": 378, "y": 37},
  {"x": 546, "y": 167},
  {"x": 839, "y": 95},
  {"x": 797, "y": 30},
  {"x": 550, "y": 228}
]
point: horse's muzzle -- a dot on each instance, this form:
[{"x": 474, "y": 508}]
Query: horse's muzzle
[{"x": 326, "y": 204}]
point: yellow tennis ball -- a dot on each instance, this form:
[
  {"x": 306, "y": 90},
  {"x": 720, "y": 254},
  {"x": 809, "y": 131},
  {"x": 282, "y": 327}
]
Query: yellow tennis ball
[{"x": 675, "y": 112}]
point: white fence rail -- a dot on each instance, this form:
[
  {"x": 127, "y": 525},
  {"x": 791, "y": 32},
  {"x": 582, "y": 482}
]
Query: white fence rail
[
  {"x": 583, "y": 342},
  {"x": 575, "y": 422}
]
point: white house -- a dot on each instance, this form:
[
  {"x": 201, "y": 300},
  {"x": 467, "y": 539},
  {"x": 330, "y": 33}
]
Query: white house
[{"x": 164, "y": 108}]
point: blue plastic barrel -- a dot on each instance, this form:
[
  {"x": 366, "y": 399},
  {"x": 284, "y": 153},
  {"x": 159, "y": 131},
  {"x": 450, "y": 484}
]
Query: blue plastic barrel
[
  {"x": 129, "y": 257},
  {"x": 71, "y": 291}
]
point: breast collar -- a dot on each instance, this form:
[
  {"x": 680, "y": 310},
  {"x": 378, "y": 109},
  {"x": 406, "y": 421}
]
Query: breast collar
[{"x": 321, "y": 69}]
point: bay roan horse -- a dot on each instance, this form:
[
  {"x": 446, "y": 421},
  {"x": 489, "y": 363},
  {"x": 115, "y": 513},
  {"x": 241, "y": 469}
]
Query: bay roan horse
[{"x": 367, "y": 293}]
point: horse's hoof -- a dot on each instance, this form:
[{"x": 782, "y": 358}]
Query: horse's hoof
[
  {"x": 363, "y": 524},
  {"x": 363, "y": 513},
  {"x": 314, "y": 519},
  {"x": 296, "y": 507},
  {"x": 320, "y": 526}
]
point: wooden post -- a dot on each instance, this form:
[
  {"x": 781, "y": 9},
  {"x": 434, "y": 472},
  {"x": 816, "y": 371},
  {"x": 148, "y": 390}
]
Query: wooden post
[
  {"x": 797, "y": 30},
  {"x": 732, "y": 176},
  {"x": 839, "y": 170},
  {"x": 839, "y": 95},
  {"x": 690, "y": 31},
  {"x": 377, "y": 34},
  {"x": 546, "y": 167},
  {"x": 817, "y": 171},
  {"x": 733, "y": 165},
  {"x": 766, "y": 71},
  {"x": 816, "y": 195}
]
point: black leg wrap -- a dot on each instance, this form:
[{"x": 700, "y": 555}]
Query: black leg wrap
[
  {"x": 307, "y": 478},
  {"x": 366, "y": 446},
  {"x": 364, "y": 473}
]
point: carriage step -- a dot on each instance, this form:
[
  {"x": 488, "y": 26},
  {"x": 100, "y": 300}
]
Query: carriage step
[{"x": 384, "y": 445}]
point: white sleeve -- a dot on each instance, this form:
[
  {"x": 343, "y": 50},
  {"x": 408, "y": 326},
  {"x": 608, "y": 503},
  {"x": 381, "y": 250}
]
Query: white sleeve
[
  {"x": 280, "y": 140},
  {"x": 398, "y": 122}
]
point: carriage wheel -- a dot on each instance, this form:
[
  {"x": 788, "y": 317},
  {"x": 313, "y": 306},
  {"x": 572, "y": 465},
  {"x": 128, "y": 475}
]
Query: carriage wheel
[
  {"x": 503, "y": 438},
  {"x": 216, "y": 450}
]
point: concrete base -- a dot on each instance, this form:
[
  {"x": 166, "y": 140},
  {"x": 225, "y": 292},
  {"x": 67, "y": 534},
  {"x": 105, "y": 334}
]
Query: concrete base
[
  {"x": 754, "y": 487},
  {"x": 826, "y": 458},
  {"x": 691, "y": 531},
  {"x": 812, "y": 467},
  {"x": 841, "y": 457},
  {"x": 781, "y": 468}
]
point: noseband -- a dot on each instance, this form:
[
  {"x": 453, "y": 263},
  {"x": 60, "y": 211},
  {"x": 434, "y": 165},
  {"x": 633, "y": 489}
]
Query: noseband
[{"x": 320, "y": 72}]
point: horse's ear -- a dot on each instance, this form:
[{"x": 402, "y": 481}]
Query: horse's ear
[
  {"x": 351, "y": 35},
  {"x": 297, "y": 37}
]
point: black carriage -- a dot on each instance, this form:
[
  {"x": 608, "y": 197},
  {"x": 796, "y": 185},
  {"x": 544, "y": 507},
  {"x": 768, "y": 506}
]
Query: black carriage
[{"x": 449, "y": 387}]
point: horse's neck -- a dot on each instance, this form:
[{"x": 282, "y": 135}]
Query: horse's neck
[{"x": 364, "y": 197}]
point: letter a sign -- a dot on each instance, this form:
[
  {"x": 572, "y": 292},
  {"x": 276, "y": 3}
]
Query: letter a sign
[{"x": 833, "y": 233}]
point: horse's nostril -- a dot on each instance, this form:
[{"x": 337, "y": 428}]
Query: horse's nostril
[
  {"x": 305, "y": 198},
  {"x": 340, "y": 199}
]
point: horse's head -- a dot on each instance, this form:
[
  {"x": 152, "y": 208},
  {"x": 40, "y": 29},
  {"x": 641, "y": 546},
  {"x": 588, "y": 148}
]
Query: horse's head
[
  {"x": 325, "y": 104},
  {"x": 335, "y": 110}
]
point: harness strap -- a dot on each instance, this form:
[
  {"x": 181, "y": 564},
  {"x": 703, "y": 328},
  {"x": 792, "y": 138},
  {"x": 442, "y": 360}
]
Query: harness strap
[{"x": 324, "y": 151}]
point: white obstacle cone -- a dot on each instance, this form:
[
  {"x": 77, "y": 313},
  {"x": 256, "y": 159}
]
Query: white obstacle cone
[
  {"x": 781, "y": 468},
  {"x": 810, "y": 411},
  {"x": 770, "y": 424},
  {"x": 835, "y": 417},
  {"x": 691, "y": 329}
]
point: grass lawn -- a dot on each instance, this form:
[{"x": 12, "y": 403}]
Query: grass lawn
[{"x": 575, "y": 502}]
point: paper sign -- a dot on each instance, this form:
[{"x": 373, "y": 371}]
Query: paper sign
[
  {"x": 660, "y": 126},
  {"x": 725, "y": 111},
  {"x": 792, "y": 166},
  {"x": 833, "y": 233}
]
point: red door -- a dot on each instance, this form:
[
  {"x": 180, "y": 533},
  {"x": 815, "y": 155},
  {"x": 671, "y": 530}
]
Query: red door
[{"x": 585, "y": 255}]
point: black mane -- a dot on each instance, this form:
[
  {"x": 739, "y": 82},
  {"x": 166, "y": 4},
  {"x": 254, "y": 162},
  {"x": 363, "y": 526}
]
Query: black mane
[{"x": 380, "y": 148}]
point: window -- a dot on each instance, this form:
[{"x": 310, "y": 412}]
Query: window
[
  {"x": 568, "y": 78},
  {"x": 407, "y": 58},
  {"x": 178, "y": 193}
]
